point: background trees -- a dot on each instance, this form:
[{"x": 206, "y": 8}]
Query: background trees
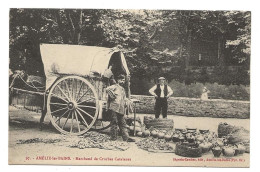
[{"x": 156, "y": 42}]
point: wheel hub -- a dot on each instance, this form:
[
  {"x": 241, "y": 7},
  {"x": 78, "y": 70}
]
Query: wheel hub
[{"x": 72, "y": 105}]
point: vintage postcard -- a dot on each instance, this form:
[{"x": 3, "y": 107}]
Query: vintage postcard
[{"x": 129, "y": 87}]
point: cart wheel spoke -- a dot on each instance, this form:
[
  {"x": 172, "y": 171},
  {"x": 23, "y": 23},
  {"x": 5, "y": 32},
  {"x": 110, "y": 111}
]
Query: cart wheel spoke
[
  {"x": 77, "y": 120},
  {"x": 85, "y": 113},
  {"x": 59, "y": 110},
  {"x": 66, "y": 120},
  {"x": 59, "y": 104},
  {"x": 63, "y": 93},
  {"x": 91, "y": 98},
  {"x": 55, "y": 105},
  {"x": 61, "y": 116},
  {"x": 54, "y": 95},
  {"x": 68, "y": 89},
  {"x": 93, "y": 107},
  {"x": 84, "y": 121},
  {"x": 82, "y": 95},
  {"x": 73, "y": 89},
  {"x": 72, "y": 118},
  {"x": 79, "y": 90}
]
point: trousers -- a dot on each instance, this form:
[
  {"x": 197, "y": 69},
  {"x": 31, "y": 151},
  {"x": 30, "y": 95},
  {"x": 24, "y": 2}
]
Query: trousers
[
  {"x": 118, "y": 120},
  {"x": 161, "y": 104}
]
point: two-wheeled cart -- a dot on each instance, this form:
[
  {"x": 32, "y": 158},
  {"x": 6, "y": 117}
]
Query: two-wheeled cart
[{"x": 74, "y": 96}]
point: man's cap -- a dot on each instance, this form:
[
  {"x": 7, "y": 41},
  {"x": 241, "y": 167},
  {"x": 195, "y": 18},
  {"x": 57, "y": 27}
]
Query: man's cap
[{"x": 161, "y": 78}]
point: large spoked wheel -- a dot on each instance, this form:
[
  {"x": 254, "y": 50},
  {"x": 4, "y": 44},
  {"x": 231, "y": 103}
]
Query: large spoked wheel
[{"x": 72, "y": 105}]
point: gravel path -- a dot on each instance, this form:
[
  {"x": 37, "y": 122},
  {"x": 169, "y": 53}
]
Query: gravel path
[{"x": 24, "y": 125}]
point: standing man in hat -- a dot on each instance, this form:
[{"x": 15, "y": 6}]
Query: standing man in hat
[
  {"x": 161, "y": 92},
  {"x": 117, "y": 104}
]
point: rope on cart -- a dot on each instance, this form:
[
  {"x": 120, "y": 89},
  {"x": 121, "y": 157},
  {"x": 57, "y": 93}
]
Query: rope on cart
[{"x": 32, "y": 86}]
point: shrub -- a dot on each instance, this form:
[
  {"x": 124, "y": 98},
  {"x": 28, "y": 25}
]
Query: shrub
[{"x": 194, "y": 90}]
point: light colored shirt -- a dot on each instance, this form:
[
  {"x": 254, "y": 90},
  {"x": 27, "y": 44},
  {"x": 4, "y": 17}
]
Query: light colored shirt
[
  {"x": 117, "y": 104},
  {"x": 169, "y": 90}
]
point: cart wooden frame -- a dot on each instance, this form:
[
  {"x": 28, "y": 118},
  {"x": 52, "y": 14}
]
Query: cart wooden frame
[{"x": 75, "y": 102}]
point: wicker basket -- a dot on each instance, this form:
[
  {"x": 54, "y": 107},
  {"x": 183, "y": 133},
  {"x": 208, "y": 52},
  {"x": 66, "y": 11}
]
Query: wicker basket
[
  {"x": 235, "y": 134},
  {"x": 158, "y": 123},
  {"x": 187, "y": 151},
  {"x": 225, "y": 129}
]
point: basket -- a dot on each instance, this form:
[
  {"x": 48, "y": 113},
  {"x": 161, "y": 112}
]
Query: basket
[
  {"x": 235, "y": 134},
  {"x": 187, "y": 151},
  {"x": 225, "y": 129},
  {"x": 159, "y": 123}
]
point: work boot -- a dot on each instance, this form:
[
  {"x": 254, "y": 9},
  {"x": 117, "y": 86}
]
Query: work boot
[
  {"x": 113, "y": 139},
  {"x": 130, "y": 140}
]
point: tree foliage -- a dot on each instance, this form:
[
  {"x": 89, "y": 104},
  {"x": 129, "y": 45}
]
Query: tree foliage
[{"x": 150, "y": 39}]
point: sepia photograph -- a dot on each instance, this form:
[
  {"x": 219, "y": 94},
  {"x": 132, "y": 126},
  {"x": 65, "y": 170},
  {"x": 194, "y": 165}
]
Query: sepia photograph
[{"x": 129, "y": 87}]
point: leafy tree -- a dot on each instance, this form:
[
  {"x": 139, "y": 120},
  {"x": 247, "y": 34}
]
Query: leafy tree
[{"x": 152, "y": 40}]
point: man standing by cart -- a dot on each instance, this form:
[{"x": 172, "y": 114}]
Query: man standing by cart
[
  {"x": 161, "y": 92},
  {"x": 117, "y": 104}
]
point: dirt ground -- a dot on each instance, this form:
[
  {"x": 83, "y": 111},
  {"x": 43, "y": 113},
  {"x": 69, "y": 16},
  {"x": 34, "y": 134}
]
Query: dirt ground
[{"x": 48, "y": 146}]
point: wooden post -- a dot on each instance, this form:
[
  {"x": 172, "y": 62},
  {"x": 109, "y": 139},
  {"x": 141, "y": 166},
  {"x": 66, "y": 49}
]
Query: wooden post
[
  {"x": 218, "y": 48},
  {"x": 135, "y": 101},
  {"x": 134, "y": 116},
  {"x": 17, "y": 99},
  {"x": 24, "y": 100}
]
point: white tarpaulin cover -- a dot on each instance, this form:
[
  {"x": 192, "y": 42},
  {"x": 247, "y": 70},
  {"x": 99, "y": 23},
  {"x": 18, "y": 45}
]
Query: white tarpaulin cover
[{"x": 75, "y": 60}]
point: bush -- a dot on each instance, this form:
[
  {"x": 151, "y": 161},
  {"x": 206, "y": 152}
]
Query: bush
[
  {"x": 194, "y": 90},
  {"x": 182, "y": 90},
  {"x": 217, "y": 91}
]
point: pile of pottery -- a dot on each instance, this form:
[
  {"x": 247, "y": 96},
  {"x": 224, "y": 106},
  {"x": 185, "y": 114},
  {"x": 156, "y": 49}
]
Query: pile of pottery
[
  {"x": 154, "y": 145},
  {"x": 191, "y": 143},
  {"x": 203, "y": 138},
  {"x": 94, "y": 139},
  {"x": 228, "y": 150},
  {"x": 142, "y": 131}
]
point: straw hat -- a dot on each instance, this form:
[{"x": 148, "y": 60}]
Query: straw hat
[{"x": 161, "y": 78}]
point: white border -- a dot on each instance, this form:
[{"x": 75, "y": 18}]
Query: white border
[{"x": 131, "y": 4}]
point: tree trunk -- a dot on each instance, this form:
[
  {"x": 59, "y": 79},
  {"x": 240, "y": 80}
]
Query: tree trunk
[
  {"x": 221, "y": 44},
  {"x": 187, "y": 57},
  {"x": 80, "y": 27},
  {"x": 72, "y": 33},
  {"x": 181, "y": 50},
  {"x": 61, "y": 27}
]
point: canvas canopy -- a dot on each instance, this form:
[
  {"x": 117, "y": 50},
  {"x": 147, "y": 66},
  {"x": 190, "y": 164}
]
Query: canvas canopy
[{"x": 77, "y": 60}]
